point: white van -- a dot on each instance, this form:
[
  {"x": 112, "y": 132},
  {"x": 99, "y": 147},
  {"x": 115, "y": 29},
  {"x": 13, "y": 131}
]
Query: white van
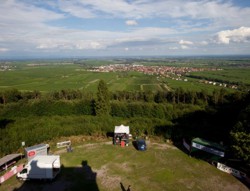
[{"x": 41, "y": 167}]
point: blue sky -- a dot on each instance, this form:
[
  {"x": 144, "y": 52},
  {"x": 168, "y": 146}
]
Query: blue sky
[{"x": 75, "y": 28}]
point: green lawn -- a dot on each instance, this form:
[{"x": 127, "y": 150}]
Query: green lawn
[{"x": 161, "y": 167}]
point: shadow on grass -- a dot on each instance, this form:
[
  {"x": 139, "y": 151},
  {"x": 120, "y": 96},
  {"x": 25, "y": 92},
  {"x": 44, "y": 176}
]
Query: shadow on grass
[
  {"x": 135, "y": 145},
  {"x": 123, "y": 188},
  {"x": 70, "y": 178},
  {"x": 5, "y": 122},
  {"x": 213, "y": 124},
  {"x": 110, "y": 134}
]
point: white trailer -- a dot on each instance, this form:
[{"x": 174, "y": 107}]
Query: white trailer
[{"x": 41, "y": 167}]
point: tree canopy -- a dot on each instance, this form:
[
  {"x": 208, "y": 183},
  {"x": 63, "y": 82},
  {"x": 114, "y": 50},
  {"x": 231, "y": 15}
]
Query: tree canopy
[
  {"x": 102, "y": 103},
  {"x": 240, "y": 136}
]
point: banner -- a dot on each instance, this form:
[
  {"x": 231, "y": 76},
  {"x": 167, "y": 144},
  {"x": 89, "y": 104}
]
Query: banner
[
  {"x": 63, "y": 144},
  {"x": 230, "y": 170},
  {"x": 11, "y": 173},
  {"x": 208, "y": 149}
]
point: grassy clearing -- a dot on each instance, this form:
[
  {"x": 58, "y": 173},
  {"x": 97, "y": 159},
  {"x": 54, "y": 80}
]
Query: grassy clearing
[{"x": 161, "y": 167}]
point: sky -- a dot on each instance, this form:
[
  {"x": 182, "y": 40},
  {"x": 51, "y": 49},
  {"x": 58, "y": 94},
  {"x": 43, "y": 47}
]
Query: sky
[{"x": 87, "y": 28}]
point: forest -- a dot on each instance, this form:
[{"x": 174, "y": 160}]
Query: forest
[{"x": 36, "y": 117}]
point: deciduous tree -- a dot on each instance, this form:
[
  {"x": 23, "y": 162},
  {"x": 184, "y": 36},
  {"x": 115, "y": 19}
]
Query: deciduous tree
[
  {"x": 240, "y": 136},
  {"x": 102, "y": 103}
]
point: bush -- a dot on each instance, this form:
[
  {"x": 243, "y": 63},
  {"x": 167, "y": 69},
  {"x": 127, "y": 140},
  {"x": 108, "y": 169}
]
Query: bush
[{"x": 38, "y": 129}]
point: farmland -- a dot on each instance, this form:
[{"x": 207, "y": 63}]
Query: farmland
[
  {"x": 233, "y": 76},
  {"x": 48, "y": 76},
  {"x": 161, "y": 167}
]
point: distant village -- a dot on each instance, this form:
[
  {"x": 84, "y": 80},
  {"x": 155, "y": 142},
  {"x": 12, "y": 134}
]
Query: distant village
[
  {"x": 6, "y": 66},
  {"x": 174, "y": 73}
]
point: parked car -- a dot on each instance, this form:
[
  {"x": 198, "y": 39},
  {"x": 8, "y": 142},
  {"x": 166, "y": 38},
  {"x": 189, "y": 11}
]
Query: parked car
[{"x": 141, "y": 145}]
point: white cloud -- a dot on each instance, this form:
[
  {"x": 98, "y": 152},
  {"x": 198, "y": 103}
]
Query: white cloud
[
  {"x": 15, "y": 12},
  {"x": 241, "y": 34},
  {"x": 153, "y": 32},
  {"x": 173, "y": 48},
  {"x": 76, "y": 9},
  {"x": 104, "y": 8},
  {"x": 219, "y": 11},
  {"x": 4, "y": 49},
  {"x": 90, "y": 44},
  {"x": 184, "y": 47},
  {"x": 185, "y": 42},
  {"x": 204, "y": 42},
  {"x": 25, "y": 25},
  {"x": 131, "y": 22}
]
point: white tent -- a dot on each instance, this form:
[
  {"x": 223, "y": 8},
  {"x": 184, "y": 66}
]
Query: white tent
[{"x": 122, "y": 129}]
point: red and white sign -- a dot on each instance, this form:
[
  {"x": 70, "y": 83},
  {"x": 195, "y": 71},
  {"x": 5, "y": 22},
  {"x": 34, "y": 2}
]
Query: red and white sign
[{"x": 32, "y": 153}]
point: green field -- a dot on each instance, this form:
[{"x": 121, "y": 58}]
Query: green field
[
  {"x": 161, "y": 167},
  {"x": 230, "y": 75},
  {"x": 59, "y": 76},
  {"x": 49, "y": 78},
  {"x": 192, "y": 84}
]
